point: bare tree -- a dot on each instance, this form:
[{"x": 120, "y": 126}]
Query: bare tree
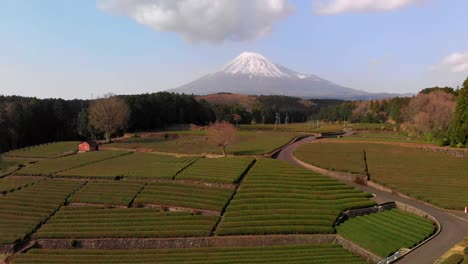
[
  {"x": 108, "y": 115},
  {"x": 362, "y": 108},
  {"x": 222, "y": 134},
  {"x": 429, "y": 113},
  {"x": 236, "y": 118}
]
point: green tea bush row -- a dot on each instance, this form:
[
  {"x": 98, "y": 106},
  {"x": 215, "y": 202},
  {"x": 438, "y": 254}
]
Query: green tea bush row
[
  {"x": 121, "y": 223},
  {"x": 278, "y": 198},
  {"x": 313, "y": 253},
  {"x": 49, "y": 167},
  {"x": 409, "y": 170},
  {"x": 386, "y": 232},
  {"x": 45, "y": 150},
  {"x": 22, "y": 211},
  {"x": 9, "y": 185},
  {"x": 223, "y": 170},
  {"x": 184, "y": 195},
  {"x": 107, "y": 192},
  {"x": 136, "y": 165}
]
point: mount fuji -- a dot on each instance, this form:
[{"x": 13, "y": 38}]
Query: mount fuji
[{"x": 253, "y": 74}]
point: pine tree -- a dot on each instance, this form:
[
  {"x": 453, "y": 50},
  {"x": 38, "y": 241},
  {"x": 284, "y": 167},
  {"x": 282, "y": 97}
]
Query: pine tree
[{"x": 458, "y": 131}]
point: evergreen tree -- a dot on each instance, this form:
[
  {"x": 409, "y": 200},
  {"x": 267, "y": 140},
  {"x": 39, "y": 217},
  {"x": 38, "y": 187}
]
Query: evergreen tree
[{"x": 458, "y": 131}]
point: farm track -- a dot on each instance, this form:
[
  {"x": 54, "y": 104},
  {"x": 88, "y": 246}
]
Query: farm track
[{"x": 453, "y": 228}]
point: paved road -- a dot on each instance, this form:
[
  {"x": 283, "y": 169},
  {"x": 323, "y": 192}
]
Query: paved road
[{"x": 453, "y": 228}]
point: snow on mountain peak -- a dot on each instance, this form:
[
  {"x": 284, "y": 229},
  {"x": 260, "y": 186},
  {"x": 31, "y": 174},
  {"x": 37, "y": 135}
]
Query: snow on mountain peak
[{"x": 253, "y": 64}]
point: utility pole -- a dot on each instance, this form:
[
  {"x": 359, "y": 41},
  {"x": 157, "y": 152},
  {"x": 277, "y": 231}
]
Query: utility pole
[{"x": 277, "y": 119}]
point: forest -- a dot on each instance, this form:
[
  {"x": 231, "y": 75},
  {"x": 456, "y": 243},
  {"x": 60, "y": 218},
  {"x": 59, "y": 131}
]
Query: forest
[{"x": 26, "y": 121}]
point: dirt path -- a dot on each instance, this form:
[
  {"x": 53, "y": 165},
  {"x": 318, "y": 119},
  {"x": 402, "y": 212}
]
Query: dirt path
[{"x": 453, "y": 230}]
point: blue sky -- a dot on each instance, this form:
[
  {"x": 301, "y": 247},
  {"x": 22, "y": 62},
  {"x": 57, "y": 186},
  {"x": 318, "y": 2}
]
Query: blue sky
[{"x": 78, "y": 49}]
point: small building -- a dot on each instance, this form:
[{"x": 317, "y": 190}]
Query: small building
[{"x": 88, "y": 145}]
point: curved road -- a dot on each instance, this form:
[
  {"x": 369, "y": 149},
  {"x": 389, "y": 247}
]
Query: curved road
[{"x": 453, "y": 229}]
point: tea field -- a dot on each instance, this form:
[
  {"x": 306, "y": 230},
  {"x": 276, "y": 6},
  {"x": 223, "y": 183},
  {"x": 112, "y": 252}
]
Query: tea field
[
  {"x": 278, "y": 198},
  {"x": 8, "y": 164},
  {"x": 436, "y": 178},
  {"x": 91, "y": 222},
  {"x": 222, "y": 170},
  {"x": 194, "y": 196},
  {"x": 386, "y": 232},
  {"x": 12, "y": 184},
  {"x": 333, "y": 157},
  {"x": 383, "y": 137},
  {"x": 48, "y": 167},
  {"x": 46, "y": 150},
  {"x": 323, "y": 127},
  {"x": 196, "y": 143},
  {"x": 136, "y": 165},
  {"x": 312, "y": 253},
  {"x": 21, "y": 212},
  {"x": 119, "y": 193}
]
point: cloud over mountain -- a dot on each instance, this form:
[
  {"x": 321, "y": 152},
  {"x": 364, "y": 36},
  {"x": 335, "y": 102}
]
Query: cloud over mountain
[
  {"x": 204, "y": 20},
  {"x": 335, "y": 7}
]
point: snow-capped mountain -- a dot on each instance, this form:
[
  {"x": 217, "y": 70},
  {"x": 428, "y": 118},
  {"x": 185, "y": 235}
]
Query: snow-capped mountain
[
  {"x": 253, "y": 64},
  {"x": 253, "y": 74}
]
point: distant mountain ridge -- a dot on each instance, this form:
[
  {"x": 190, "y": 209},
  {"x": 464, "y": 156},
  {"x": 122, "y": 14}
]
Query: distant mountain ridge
[{"x": 253, "y": 74}]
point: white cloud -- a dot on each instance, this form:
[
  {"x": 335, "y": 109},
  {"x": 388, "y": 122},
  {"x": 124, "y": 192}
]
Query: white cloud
[
  {"x": 204, "y": 20},
  {"x": 455, "y": 62},
  {"x": 335, "y": 7}
]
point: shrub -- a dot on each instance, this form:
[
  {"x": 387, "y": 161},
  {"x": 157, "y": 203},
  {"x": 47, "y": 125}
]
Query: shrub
[{"x": 453, "y": 259}]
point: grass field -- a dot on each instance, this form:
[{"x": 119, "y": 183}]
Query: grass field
[
  {"x": 318, "y": 253},
  {"x": 107, "y": 192},
  {"x": 46, "y": 150},
  {"x": 222, "y": 170},
  {"x": 195, "y": 142},
  {"x": 9, "y": 185},
  {"x": 386, "y": 232},
  {"x": 84, "y": 222},
  {"x": 436, "y": 178},
  {"x": 136, "y": 165},
  {"x": 278, "y": 198},
  {"x": 22, "y": 211},
  {"x": 173, "y": 194},
  {"x": 48, "y": 167}
]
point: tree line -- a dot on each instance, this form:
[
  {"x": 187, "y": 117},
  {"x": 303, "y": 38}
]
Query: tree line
[
  {"x": 264, "y": 110},
  {"x": 26, "y": 121},
  {"x": 439, "y": 114}
]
